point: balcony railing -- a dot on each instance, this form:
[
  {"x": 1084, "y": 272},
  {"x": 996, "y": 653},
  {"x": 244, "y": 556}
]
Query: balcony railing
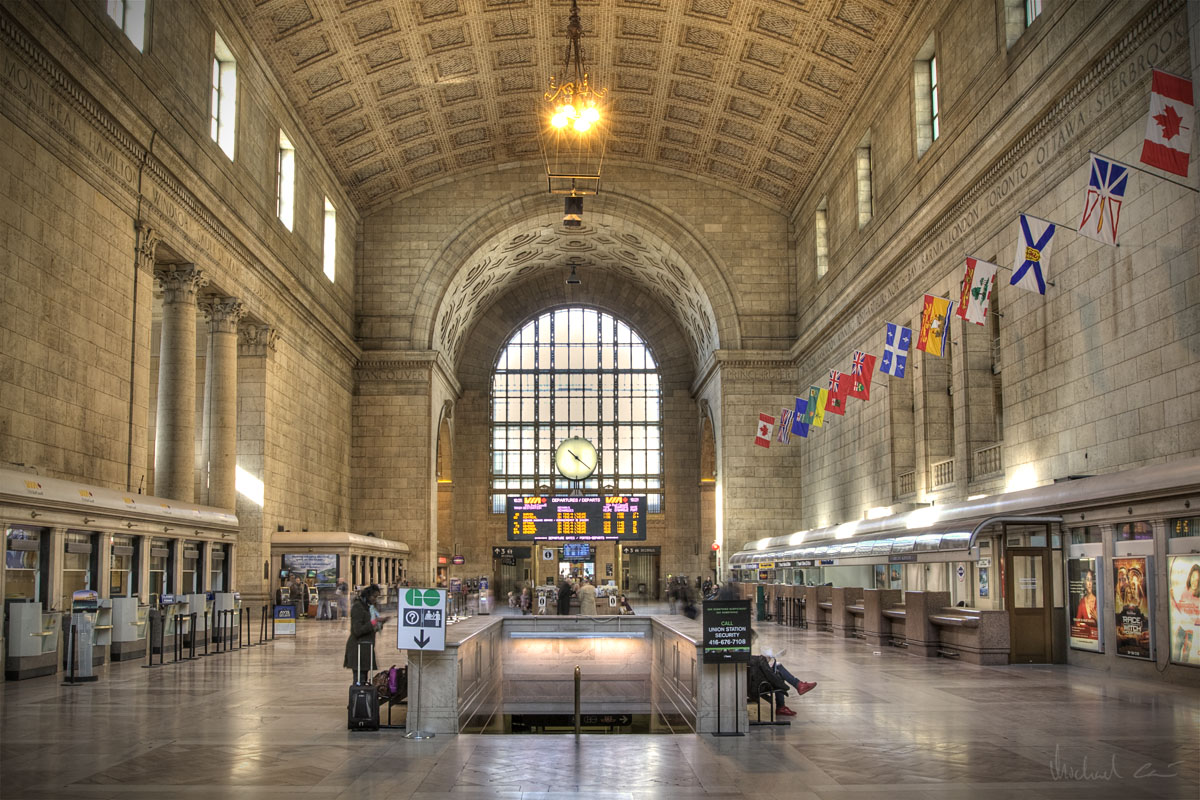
[
  {"x": 906, "y": 483},
  {"x": 987, "y": 461},
  {"x": 942, "y": 473}
]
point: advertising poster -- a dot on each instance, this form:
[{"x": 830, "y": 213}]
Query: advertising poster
[
  {"x": 324, "y": 564},
  {"x": 897, "y": 576},
  {"x": 1183, "y": 575},
  {"x": 1132, "y": 594},
  {"x": 1083, "y": 586},
  {"x": 881, "y": 576},
  {"x": 984, "y": 584}
]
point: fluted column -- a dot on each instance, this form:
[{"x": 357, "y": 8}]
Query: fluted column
[
  {"x": 255, "y": 368},
  {"x": 220, "y": 399},
  {"x": 175, "y": 432}
]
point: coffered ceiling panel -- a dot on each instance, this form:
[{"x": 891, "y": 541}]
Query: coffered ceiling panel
[{"x": 402, "y": 93}]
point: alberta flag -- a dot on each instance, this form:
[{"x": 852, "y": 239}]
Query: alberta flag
[
  {"x": 1169, "y": 128},
  {"x": 785, "y": 426},
  {"x": 1033, "y": 254},
  {"x": 839, "y": 384},
  {"x": 799, "y": 426},
  {"x": 1102, "y": 204},
  {"x": 977, "y": 285},
  {"x": 895, "y": 350},
  {"x": 860, "y": 375},
  {"x": 766, "y": 426}
]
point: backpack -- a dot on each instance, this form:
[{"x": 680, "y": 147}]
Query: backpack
[{"x": 391, "y": 683}]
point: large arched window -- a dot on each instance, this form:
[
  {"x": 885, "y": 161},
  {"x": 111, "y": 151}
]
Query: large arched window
[{"x": 576, "y": 372}]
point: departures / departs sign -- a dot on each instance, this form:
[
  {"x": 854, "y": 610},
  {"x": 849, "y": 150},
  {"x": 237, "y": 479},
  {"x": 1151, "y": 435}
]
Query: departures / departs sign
[{"x": 726, "y": 631}]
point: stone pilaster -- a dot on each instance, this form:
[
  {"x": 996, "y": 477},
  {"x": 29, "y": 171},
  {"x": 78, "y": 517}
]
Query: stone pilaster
[
  {"x": 175, "y": 438},
  {"x": 255, "y": 362},
  {"x": 220, "y": 399}
]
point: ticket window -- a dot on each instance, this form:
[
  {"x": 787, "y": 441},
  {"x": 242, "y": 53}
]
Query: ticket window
[
  {"x": 160, "y": 569},
  {"x": 123, "y": 567},
  {"x": 218, "y": 569},
  {"x": 192, "y": 573},
  {"x": 24, "y": 564},
  {"x": 78, "y": 562}
]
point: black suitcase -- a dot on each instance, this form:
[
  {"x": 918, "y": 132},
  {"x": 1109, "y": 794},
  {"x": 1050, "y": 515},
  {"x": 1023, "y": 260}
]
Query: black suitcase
[{"x": 363, "y": 710}]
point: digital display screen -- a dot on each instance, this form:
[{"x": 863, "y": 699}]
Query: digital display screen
[
  {"x": 592, "y": 518},
  {"x": 577, "y": 551}
]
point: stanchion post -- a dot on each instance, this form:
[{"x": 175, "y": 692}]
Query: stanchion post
[
  {"x": 272, "y": 624},
  {"x": 192, "y": 636},
  {"x": 72, "y": 655},
  {"x": 262, "y": 625},
  {"x": 207, "y": 631}
]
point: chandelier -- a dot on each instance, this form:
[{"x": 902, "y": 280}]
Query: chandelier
[{"x": 574, "y": 130}]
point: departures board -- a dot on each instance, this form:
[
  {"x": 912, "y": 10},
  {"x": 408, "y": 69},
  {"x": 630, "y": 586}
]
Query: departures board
[{"x": 592, "y": 518}]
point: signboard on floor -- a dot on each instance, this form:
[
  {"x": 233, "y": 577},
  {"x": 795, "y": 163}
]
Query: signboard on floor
[
  {"x": 726, "y": 631},
  {"x": 422, "y": 623},
  {"x": 285, "y": 620}
]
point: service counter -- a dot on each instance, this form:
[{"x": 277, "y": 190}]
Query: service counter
[{"x": 525, "y": 665}]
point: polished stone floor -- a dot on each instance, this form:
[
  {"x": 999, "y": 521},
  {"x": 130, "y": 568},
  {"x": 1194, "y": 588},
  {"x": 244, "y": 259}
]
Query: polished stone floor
[{"x": 269, "y": 722}]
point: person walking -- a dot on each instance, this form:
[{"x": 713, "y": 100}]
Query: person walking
[{"x": 365, "y": 622}]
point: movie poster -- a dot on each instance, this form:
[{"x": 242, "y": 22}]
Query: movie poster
[
  {"x": 984, "y": 586},
  {"x": 897, "y": 576},
  {"x": 1183, "y": 575},
  {"x": 881, "y": 576},
  {"x": 1083, "y": 586},
  {"x": 1131, "y": 599}
]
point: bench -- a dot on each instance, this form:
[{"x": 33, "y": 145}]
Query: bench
[
  {"x": 897, "y": 616},
  {"x": 978, "y": 636},
  {"x": 857, "y": 612}
]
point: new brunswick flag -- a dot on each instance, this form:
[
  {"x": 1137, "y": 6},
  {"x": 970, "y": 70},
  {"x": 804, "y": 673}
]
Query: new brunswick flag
[
  {"x": 860, "y": 375},
  {"x": 935, "y": 329}
]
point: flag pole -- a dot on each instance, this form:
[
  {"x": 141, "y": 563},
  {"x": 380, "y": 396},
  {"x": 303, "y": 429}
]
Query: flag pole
[{"x": 1143, "y": 170}]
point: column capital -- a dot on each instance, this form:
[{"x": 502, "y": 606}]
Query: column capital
[
  {"x": 180, "y": 282},
  {"x": 147, "y": 243},
  {"x": 223, "y": 313},
  {"x": 257, "y": 340}
]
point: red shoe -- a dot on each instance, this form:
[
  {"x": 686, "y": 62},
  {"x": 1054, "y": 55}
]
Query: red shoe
[
  {"x": 784, "y": 711},
  {"x": 805, "y": 688}
]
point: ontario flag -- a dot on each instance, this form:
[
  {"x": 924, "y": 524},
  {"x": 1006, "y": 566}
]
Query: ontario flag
[
  {"x": 860, "y": 375},
  {"x": 1102, "y": 205},
  {"x": 1033, "y": 254},
  {"x": 785, "y": 426},
  {"x": 799, "y": 425},
  {"x": 1169, "y": 128},
  {"x": 766, "y": 426},
  {"x": 977, "y": 286},
  {"x": 839, "y": 385},
  {"x": 935, "y": 328}
]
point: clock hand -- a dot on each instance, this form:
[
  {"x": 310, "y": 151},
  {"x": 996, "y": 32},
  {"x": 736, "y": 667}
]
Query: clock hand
[{"x": 577, "y": 458}]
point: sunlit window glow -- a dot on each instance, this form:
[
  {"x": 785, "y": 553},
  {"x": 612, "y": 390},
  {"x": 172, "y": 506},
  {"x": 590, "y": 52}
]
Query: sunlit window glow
[
  {"x": 879, "y": 512},
  {"x": 249, "y": 487},
  {"x": 1024, "y": 477},
  {"x": 845, "y": 530},
  {"x": 923, "y": 517}
]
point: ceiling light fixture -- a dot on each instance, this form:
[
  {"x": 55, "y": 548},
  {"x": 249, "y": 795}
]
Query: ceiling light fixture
[{"x": 575, "y": 130}]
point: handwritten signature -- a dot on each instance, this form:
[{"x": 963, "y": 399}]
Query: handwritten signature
[{"x": 1061, "y": 771}]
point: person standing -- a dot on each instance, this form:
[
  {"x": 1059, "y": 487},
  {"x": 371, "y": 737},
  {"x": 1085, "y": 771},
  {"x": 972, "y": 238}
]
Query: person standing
[
  {"x": 365, "y": 622},
  {"x": 564, "y": 596},
  {"x": 299, "y": 595},
  {"x": 343, "y": 598},
  {"x": 587, "y": 598}
]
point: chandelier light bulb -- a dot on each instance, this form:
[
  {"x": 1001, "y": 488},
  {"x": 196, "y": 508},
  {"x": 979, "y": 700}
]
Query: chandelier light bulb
[
  {"x": 582, "y": 124},
  {"x": 559, "y": 120},
  {"x": 591, "y": 114}
]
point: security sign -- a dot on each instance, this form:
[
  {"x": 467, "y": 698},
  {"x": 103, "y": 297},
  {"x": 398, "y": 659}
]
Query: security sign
[{"x": 422, "y": 620}]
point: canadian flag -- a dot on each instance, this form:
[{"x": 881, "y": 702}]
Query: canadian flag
[
  {"x": 1169, "y": 128},
  {"x": 766, "y": 426}
]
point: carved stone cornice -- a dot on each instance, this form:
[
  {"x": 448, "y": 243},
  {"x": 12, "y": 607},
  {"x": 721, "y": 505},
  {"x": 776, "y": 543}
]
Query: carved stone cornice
[
  {"x": 180, "y": 282},
  {"x": 257, "y": 340},
  {"x": 223, "y": 313}
]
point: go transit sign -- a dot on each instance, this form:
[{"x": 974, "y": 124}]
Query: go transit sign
[{"x": 422, "y": 623}]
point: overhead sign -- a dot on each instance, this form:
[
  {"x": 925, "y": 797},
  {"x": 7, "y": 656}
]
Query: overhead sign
[
  {"x": 726, "y": 631},
  {"x": 422, "y": 620},
  {"x": 511, "y": 552},
  {"x": 587, "y": 518}
]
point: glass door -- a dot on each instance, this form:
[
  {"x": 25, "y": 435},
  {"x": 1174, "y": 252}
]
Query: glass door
[{"x": 1028, "y": 589}]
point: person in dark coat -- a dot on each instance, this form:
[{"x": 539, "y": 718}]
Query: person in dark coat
[
  {"x": 564, "y": 597},
  {"x": 365, "y": 622}
]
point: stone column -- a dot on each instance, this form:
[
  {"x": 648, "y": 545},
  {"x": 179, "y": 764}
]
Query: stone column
[
  {"x": 175, "y": 437},
  {"x": 220, "y": 400},
  {"x": 256, "y": 350}
]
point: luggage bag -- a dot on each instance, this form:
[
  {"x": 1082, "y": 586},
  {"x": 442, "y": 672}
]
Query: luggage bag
[{"x": 363, "y": 710}]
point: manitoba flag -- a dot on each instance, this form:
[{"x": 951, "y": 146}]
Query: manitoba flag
[
  {"x": 860, "y": 375},
  {"x": 766, "y": 425},
  {"x": 1102, "y": 204},
  {"x": 1169, "y": 128},
  {"x": 839, "y": 384},
  {"x": 977, "y": 285}
]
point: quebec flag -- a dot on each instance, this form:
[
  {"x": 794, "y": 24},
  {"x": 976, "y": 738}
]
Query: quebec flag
[
  {"x": 895, "y": 350},
  {"x": 1102, "y": 205}
]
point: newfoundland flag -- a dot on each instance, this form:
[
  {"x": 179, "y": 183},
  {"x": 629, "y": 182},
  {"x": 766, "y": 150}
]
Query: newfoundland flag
[{"x": 1102, "y": 204}]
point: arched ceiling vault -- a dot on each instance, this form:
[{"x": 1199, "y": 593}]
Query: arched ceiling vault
[
  {"x": 400, "y": 95},
  {"x": 622, "y": 241}
]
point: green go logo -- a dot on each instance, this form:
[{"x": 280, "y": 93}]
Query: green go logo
[{"x": 419, "y": 597}]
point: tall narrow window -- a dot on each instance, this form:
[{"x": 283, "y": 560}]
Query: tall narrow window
[
  {"x": 1018, "y": 16},
  {"x": 224, "y": 96},
  {"x": 330, "y": 240},
  {"x": 927, "y": 106},
  {"x": 576, "y": 372},
  {"x": 1033, "y": 9},
  {"x": 285, "y": 181},
  {"x": 130, "y": 16},
  {"x": 821, "y": 230},
  {"x": 862, "y": 171}
]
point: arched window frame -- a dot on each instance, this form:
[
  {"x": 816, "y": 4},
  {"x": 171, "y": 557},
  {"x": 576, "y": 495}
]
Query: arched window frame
[{"x": 601, "y": 383}]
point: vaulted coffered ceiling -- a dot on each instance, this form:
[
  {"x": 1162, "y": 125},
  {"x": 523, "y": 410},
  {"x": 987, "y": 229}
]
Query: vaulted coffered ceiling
[{"x": 404, "y": 93}]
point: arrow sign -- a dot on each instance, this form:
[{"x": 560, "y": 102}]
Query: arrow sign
[{"x": 423, "y": 620}]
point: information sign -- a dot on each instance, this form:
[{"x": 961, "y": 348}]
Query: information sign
[
  {"x": 587, "y": 518},
  {"x": 422, "y": 623},
  {"x": 726, "y": 631}
]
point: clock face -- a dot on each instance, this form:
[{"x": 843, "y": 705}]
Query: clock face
[{"x": 575, "y": 458}]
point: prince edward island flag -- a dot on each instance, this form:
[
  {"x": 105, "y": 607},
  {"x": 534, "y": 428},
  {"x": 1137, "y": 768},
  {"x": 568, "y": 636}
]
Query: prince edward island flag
[{"x": 895, "y": 350}]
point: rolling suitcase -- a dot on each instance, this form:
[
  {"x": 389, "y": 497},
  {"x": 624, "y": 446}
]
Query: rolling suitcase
[{"x": 363, "y": 710}]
